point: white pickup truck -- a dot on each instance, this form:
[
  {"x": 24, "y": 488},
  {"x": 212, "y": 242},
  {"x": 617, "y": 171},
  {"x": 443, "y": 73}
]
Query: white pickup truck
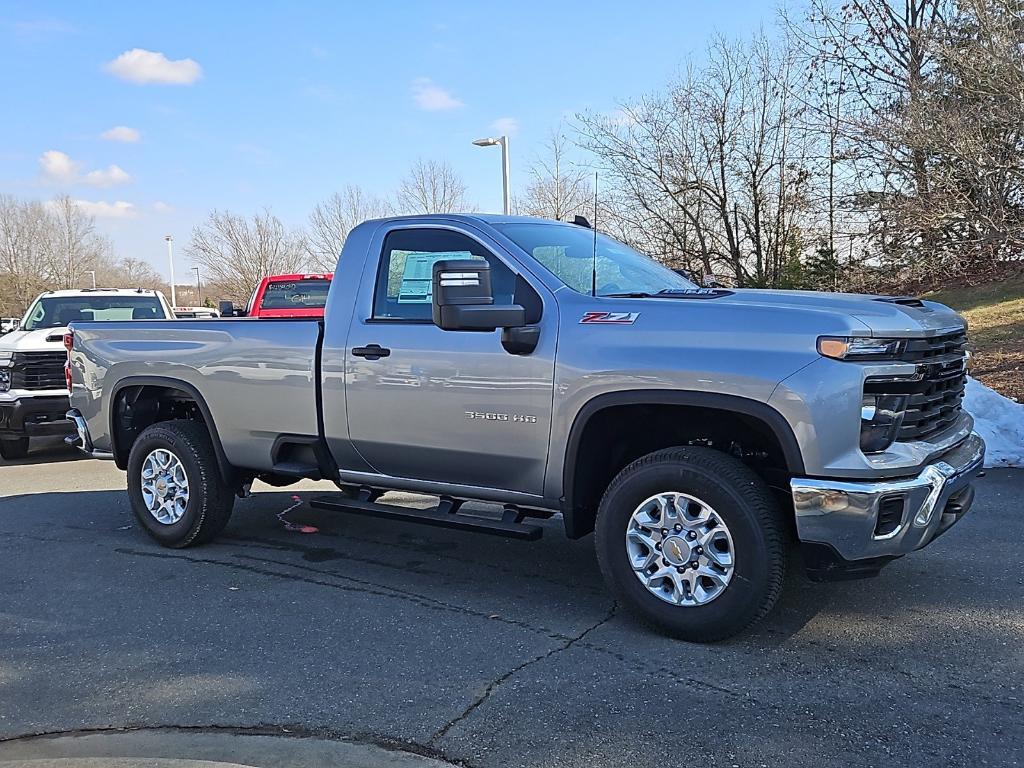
[{"x": 33, "y": 390}]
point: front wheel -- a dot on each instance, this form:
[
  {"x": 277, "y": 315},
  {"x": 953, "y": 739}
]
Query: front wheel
[
  {"x": 175, "y": 486},
  {"x": 691, "y": 539},
  {"x": 14, "y": 449}
]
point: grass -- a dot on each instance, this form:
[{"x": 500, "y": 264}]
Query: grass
[{"x": 995, "y": 312}]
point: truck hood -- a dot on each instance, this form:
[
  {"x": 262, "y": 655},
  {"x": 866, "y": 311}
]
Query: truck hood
[
  {"x": 881, "y": 315},
  {"x": 40, "y": 340}
]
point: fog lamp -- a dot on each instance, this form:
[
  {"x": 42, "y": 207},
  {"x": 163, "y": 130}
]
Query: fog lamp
[{"x": 881, "y": 417}]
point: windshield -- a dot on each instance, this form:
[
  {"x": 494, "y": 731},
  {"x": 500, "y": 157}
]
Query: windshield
[
  {"x": 296, "y": 294},
  {"x": 567, "y": 251},
  {"x": 58, "y": 311}
]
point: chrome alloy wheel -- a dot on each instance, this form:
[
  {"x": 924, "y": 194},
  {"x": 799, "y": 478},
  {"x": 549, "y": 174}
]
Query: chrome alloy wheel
[
  {"x": 164, "y": 486},
  {"x": 680, "y": 549}
]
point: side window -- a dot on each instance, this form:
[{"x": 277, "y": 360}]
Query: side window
[{"x": 404, "y": 276}]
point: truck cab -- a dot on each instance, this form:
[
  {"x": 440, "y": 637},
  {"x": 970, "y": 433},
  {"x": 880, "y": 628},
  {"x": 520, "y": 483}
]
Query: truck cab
[{"x": 33, "y": 390}]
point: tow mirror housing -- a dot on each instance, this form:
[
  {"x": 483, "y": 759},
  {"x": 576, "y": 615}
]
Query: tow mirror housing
[
  {"x": 227, "y": 309},
  {"x": 462, "y": 299}
]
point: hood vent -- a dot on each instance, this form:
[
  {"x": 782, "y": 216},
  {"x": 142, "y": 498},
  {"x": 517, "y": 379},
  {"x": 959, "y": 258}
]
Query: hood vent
[
  {"x": 55, "y": 337},
  {"x": 903, "y": 301}
]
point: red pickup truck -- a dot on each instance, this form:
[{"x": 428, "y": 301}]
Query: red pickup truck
[{"x": 290, "y": 296}]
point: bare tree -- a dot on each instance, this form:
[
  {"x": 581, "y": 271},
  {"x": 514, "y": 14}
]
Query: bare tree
[
  {"x": 237, "y": 253},
  {"x": 432, "y": 186},
  {"x": 876, "y": 58},
  {"x": 332, "y": 220},
  {"x": 75, "y": 247},
  {"x": 558, "y": 188},
  {"x": 709, "y": 175},
  {"x": 24, "y": 252},
  {"x": 46, "y": 245},
  {"x": 130, "y": 272},
  {"x": 968, "y": 121}
]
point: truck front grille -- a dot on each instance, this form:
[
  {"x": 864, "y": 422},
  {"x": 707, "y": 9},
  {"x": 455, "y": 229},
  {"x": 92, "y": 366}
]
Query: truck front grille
[
  {"x": 38, "y": 370},
  {"x": 935, "y": 396}
]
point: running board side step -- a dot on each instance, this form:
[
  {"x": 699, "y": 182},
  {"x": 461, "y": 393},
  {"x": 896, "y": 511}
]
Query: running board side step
[{"x": 444, "y": 515}]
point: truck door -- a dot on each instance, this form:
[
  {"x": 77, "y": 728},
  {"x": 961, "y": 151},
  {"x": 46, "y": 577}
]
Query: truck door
[{"x": 448, "y": 406}]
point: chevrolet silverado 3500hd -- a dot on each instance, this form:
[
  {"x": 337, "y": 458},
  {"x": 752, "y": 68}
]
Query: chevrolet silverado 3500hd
[{"x": 697, "y": 432}]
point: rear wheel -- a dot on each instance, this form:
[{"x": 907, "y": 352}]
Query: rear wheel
[
  {"x": 16, "y": 448},
  {"x": 691, "y": 539},
  {"x": 175, "y": 486}
]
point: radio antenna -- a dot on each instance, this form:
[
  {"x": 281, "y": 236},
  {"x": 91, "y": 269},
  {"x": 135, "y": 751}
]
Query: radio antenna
[{"x": 593, "y": 273}]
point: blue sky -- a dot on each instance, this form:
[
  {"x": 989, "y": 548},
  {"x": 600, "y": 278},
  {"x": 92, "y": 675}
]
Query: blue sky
[{"x": 239, "y": 106}]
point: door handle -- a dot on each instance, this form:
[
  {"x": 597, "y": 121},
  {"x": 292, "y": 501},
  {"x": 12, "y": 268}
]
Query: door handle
[{"x": 371, "y": 351}]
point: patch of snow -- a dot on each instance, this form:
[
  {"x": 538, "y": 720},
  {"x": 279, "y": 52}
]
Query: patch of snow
[{"x": 1000, "y": 422}]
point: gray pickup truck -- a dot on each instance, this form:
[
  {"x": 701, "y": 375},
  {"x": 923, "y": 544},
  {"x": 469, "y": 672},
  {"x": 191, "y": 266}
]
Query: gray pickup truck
[{"x": 551, "y": 370}]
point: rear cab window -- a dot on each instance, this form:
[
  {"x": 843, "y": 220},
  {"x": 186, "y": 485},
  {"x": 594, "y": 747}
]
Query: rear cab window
[{"x": 305, "y": 293}]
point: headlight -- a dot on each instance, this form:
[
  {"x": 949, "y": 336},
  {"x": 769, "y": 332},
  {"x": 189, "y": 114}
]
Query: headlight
[
  {"x": 881, "y": 417},
  {"x": 5, "y": 358},
  {"x": 859, "y": 348}
]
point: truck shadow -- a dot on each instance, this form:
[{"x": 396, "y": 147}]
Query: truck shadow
[{"x": 46, "y": 450}]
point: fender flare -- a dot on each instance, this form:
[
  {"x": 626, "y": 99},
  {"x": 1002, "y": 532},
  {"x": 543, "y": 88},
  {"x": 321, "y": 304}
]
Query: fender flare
[
  {"x": 763, "y": 412},
  {"x": 227, "y": 471}
]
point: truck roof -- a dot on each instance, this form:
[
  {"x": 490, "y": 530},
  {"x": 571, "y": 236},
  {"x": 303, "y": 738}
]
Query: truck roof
[
  {"x": 104, "y": 291},
  {"x": 471, "y": 218}
]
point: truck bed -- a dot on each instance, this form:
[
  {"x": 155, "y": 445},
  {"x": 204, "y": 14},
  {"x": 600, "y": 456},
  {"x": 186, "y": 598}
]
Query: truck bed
[{"x": 258, "y": 378}]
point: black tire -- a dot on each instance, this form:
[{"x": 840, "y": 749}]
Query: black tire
[
  {"x": 742, "y": 501},
  {"x": 209, "y": 499},
  {"x": 14, "y": 449}
]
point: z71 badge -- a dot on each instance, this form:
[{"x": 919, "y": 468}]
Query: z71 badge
[{"x": 609, "y": 318}]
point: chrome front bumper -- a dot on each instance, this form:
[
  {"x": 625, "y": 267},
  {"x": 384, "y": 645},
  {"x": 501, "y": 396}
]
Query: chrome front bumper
[
  {"x": 81, "y": 438},
  {"x": 845, "y": 516}
]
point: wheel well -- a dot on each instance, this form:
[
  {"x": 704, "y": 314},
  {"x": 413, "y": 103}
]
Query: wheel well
[
  {"x": 137, "y": 406},
  {"x": 615, "y": 436}
]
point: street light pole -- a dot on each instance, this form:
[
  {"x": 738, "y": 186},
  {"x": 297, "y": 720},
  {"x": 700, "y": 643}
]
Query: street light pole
[
  {"x": 199, "y": 288},
  {"x": 93, "y": 273},
  {"x": 170, "y": 260},
  {"x": 505, "y": 188}
]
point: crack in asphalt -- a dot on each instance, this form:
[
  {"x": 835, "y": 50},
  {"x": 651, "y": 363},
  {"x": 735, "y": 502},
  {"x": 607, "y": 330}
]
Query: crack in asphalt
[
  {"x": 433, "y": 601},
  {"x": 502, "y": 679},
  {"x": 329, "y": 553},
  {"x": 359, "y": 586},
  {"x": 362, "y": 586}
]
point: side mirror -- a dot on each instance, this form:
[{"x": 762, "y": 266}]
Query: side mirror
[
  {"x": 462, "y": 299},
  {"x": 227, "y": 309}
]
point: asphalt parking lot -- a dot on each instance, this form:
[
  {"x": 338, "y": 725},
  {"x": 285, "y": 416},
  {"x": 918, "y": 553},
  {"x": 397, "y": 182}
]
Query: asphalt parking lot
[{"x": 487, "y": 652}]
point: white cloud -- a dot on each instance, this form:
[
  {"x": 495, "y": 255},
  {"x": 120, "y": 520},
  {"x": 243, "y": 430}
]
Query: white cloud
[
  {"x": 506, "y": 126},
  {"x": 104, "y": 210},
  {"x": 121, "y": 133},
  {"x": 141, "y": 66},
  {"x": 58, "y": 168},
  {"x": 111, "y": 176},
  {"x": 161, "y": 207},
  {"x": 431, "y": 97}
]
